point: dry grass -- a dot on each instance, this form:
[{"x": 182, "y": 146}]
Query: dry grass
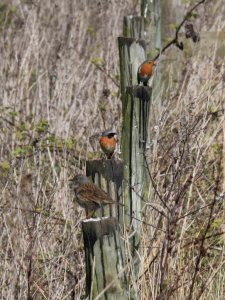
[
  {"x": 184, "y": 257},
  {"x": 53, "y": 99}
]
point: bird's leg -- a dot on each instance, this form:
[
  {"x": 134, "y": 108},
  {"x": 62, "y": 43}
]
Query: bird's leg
[
  {"x": 102, "y": 210},
  {"x": 103, "y": 156},
  {"x": 90, "y": 214},
  {"x": 113, "y": 154},
  {"x": 109, "y": 156},
  {"x": 110, "y": 210}
]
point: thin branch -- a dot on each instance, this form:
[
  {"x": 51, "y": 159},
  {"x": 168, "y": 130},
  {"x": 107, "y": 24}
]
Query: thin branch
[
  {"x": 202, "y": 250},
  {"x": 154, "y": 185},
  {"x": 175, "y": 39},
  {"x": 103, "y": 70}
]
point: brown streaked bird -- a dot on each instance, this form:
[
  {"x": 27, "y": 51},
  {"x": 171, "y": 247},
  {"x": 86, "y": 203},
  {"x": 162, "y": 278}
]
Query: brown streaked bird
[
  {"x": 88, "y": 195},
  {"x": 145, "y": 71},
  {"x": 107, "y": 142}
]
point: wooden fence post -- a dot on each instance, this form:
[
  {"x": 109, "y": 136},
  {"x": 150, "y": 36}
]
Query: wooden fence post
[
  {"x": 151, "y": 12},
  {"x": 135, "y": 109},
  {"x": 104, "y": 252},
  {"x": 105, "y": 276},
  {"x": 105, "y": 271},
  {"x": 133, "y": 27}
]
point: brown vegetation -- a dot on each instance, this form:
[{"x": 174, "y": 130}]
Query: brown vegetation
[{"x": 59, "y": 85}]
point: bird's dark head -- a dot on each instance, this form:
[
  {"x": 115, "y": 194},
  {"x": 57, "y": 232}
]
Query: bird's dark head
[
  {"x": 109, "y": 133},
  {"x": 77, "y": 180}
]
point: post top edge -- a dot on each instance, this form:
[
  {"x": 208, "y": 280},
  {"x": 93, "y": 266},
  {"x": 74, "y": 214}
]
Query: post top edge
[
  {"x": 95, "y": 219},
  {"x": 130, "y": 40}
]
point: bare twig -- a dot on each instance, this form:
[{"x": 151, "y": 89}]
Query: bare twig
[
  {"x": 103, "y": 70},
  {"x": 174, "y": 41}
]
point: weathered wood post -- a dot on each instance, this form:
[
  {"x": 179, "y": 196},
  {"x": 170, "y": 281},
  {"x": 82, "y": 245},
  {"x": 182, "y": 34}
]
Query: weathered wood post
[
  {"x": 135, "y": 109},
  {"x": 151, "y": 12},
  {"x": 104, "y": 252},
  {"x": 138, "y": 27},
  {"x": 133, "y": 27},
  {"x": 105, "y": 270}
]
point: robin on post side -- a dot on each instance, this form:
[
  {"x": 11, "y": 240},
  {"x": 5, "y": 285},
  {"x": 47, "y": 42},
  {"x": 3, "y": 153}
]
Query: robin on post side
[
  {"x": 88, "y": 195},
  {"x": 107, "y": 142},
  {"x": 145, "y": 71}
]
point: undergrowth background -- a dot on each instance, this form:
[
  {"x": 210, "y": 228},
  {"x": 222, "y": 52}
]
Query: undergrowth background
[{"x": 53, "y": 98}]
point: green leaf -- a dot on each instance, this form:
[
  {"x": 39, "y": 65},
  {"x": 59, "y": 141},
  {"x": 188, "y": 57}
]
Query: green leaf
[
  {"x": 91, "y": 30},
  {"x": 217, "y": 223},
  {"x": 97, "y": 61},
  {"x": 5, "y": 165},
  {"x": 70, "y": 143},
  {"x": 41, "y": 126},
  {"x": 173, "y": 26}
]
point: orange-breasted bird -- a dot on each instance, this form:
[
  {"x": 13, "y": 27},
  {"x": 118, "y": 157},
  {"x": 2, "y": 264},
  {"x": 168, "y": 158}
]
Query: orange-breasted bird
[
  {"x": 145, "y": 71},
  {"x": 107, "y": 142}
]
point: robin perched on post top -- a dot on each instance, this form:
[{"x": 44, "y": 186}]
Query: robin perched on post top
[
  {"x": 107, "y": 142},
  {"x": 88, "y": 195},
  {"x": 145, "y": 71}
]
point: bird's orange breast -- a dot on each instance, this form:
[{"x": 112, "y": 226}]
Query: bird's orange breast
[
  {"x": 107, "y": 143},
  {"x": 146, "y": 69}
]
